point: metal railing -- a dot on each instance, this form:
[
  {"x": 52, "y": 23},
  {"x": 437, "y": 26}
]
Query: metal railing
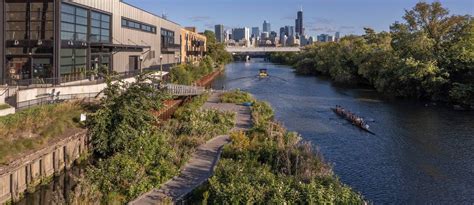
[
  {"x": 53, "y": 99},
  {"x": 184, "y": 90},
  {"x": 64, "y": 81}
]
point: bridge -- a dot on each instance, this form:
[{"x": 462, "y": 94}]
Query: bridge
[
  {"x": 259, "y": 52},
  {"x": 240, "y": 50}
]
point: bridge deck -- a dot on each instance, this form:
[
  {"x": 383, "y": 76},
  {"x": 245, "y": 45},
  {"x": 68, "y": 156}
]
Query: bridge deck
[{"x": 262, "y": 49}]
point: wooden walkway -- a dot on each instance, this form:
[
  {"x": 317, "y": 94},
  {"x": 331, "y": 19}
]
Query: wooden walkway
[{"x": 202, "y": 163}]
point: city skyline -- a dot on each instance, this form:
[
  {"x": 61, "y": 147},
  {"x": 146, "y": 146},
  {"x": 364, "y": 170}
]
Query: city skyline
[{"x": 320, "y": 16}]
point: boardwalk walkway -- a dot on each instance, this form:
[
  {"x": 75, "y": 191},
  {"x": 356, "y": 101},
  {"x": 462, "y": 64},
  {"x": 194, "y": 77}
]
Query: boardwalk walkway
[{"x": 202, "y": 163}]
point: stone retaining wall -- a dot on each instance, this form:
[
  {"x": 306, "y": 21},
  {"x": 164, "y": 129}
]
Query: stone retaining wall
[{"x": 29, "y": 171}]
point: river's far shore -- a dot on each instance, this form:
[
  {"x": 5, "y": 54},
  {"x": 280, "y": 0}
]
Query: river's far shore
[{"x": 412, "y": 148}]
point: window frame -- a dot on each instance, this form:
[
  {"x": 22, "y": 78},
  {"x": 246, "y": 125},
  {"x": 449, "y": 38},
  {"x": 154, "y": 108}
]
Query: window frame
[{"x": 137, "y": 25}]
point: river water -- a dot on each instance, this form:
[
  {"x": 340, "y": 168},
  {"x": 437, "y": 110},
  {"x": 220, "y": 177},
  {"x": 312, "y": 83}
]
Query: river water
[{"x": 420, "y": 154}]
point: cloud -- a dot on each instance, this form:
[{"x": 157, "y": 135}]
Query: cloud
[
  {"x": 209, "y": 26},
  {"x": 347, "y": 27},
  {"x": 199, "y": 18},
  {"x": 325, "y": 29},
  {"x": 288, "y": 18},
  {"x": 320, "y": 20}
]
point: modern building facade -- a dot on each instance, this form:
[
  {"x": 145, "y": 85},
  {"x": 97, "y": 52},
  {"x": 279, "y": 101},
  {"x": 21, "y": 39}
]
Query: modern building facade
[
  {"x": 267, "y": 27},
  {"x": 219, "y": 31},
  {"x": 325, "y": 38},
  {"x": 56, "y": 41},
  {"x": 299, "y": 28},
  {"x": 193, "y": 45},
  {"x": 239, "y": 34},
  {"x": 256, "y": 32}
]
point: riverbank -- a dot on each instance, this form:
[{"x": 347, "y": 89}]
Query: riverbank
[
  {"x": 47, "y": 133},
  {"x": 431, "y": 61},
  {"x": 408, "y": 162},
  {"x": 268, "y": 164},
  {"x": 202, "y": 163}
]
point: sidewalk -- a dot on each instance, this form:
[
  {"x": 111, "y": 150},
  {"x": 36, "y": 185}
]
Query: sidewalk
[{"x": 202, "y": 163}]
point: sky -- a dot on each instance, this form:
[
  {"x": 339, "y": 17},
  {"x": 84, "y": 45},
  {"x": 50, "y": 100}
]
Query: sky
[{"x": 320, "y": 16}]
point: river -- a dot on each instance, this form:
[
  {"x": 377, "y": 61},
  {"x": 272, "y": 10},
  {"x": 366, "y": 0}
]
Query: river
[{"x": 420, "y": 154}]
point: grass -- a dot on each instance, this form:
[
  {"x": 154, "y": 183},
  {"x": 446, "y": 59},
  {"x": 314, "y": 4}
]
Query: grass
[
  {"x": 33, "y": 128},
  {"x": 237, "y": 97},
  {"x": 4, "y": 106},
  {"x": 270, "y": 165}
]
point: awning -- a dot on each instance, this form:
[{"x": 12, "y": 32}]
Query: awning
[{"x": 120, "y": 47}]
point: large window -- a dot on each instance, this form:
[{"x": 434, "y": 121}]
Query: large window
[
  {"x": 29, "y": 21},
  {"x": 167, "y": 38},
  {"x": 100, "y": 27},
  {"x": 128, "y": 23},
  {"x": 29, "y": 39},
  {"x": 73, "y": 23},
  {"x": 73, "y": 63}
]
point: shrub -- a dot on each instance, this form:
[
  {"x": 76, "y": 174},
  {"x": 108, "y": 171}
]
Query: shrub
[{"x": 237, "y": 97}]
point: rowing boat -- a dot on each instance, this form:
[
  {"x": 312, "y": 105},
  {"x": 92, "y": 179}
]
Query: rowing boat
[{"x": 345, "y": 115}]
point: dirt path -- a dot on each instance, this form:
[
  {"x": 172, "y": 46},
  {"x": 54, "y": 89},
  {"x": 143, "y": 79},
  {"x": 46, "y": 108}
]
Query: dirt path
[{"x": 202, "y": 163}]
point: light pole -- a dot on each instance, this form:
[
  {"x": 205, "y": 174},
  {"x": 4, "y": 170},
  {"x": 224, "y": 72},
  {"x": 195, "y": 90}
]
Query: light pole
[
  {"x": 177, "y": 58},
  {"x": 141, "y": 60},
  {"x": 161, "y": 63},
  {"x": 161, "y": 69}
]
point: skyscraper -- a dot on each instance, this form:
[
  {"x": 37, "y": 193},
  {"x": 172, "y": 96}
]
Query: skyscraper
[
  {"x": 290, "y": 31},
  {"x": 337, "y": 36},
  {"x": 219, "y": 30},
  {"x": 299, "y": 23},
  {"x": 255, "y": 32},
  {"x": 266, "y": 27},
  {"x": 239, "y": 34}
]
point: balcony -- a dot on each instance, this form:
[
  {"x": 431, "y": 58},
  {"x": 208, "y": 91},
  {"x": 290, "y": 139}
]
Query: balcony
[{"x": 171, "y": 48}]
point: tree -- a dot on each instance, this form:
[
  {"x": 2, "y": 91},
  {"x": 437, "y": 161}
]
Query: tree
[
  {"x": 216, "y": 50},
  {"x": 124, "y": 114}
]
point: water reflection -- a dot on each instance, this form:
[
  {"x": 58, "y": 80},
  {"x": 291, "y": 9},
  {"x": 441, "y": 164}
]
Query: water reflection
[
  {"x": 61, "y": 190},
  {"x": 419, "y": 155}
]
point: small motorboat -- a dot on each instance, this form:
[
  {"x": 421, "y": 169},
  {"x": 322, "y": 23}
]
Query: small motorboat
[
  {"x": 352, "y": 118},
  {"x": 263, "y": 73}
]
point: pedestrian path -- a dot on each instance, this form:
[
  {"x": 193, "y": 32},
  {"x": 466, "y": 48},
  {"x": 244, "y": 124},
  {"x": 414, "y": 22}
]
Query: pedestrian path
[{"x": 202, "y": 163}]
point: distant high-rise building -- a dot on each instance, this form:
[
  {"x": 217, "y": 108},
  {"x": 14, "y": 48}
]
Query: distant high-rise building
[
  {"x": 299, "y": 23},
  {"x": 338, "y": 36},
  {"x": 325, "y": 38},
  {"x": 289, "y": 31},
  {"x": 282, "y": 31},
  {"x": 239, "y": 34},
  {"x": 255, "y": 32},
  {"x": 219, "y": 30},
  {"x": 266, "y": 27}
]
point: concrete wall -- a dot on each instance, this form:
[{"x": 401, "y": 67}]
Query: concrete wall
[
  {"x": 36, "y": 93},
  {"x": 8, "y": 111},
  {"x": 34, "y": 168}
]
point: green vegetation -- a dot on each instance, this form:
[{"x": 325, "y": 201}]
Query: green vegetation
[
  {"x": 216, "y": 56},
  {"x": 34, "y": 128},
  {"x": 134, "y": 152},
  {"x": 4, "y": 106},
  {"x": 216, "y": 50},
  {"x": 186, "y": 74},
  {"x": 269, "y": 165},
  {"x": 236, "y": 97},
  {"x": 429, "y": 56}
]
